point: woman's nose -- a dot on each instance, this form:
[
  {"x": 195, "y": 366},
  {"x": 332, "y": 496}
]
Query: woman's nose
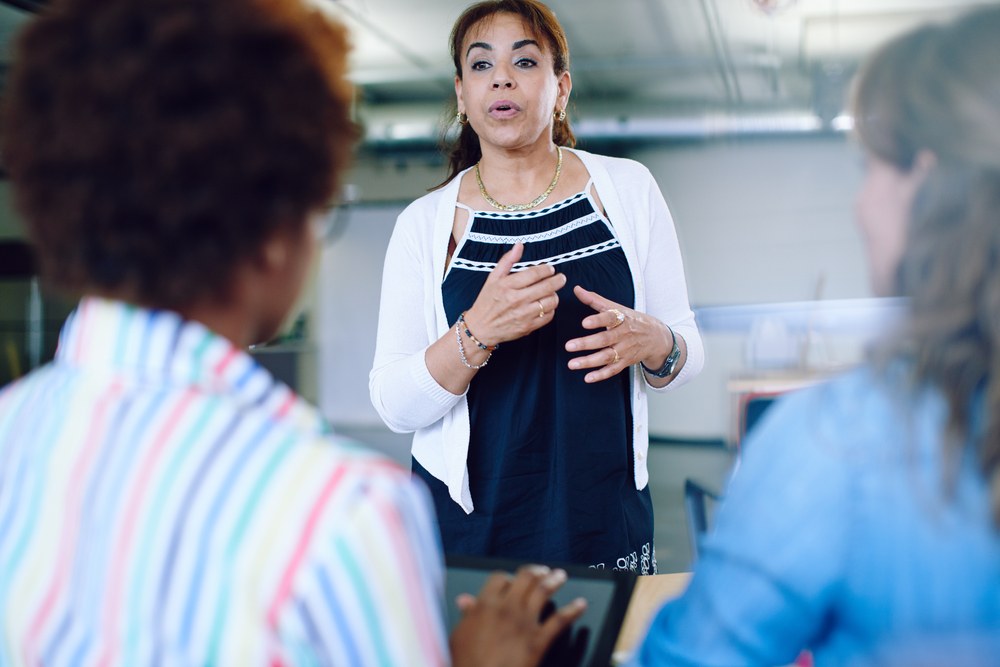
[{"x": 502, "y": 78}]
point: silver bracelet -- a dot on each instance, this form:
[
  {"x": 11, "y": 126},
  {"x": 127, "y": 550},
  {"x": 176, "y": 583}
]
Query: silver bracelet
[
  {"x": 461, "y": 320},
  {"x": 461, "y": 350}
]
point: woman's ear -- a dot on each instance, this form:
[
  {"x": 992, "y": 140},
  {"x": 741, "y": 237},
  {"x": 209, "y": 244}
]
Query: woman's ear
[
  {"x": 923, "y": 164},
  {"x": 565, "y": 88},
  {"x": 274, "y": 253},
  {"x": 284, "y": 247}
]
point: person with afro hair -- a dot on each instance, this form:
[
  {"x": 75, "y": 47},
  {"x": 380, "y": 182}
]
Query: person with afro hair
[{"x": 163, "y": 499}]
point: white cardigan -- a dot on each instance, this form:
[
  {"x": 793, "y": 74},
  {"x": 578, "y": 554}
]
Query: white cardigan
[{"x": 411, "y": 315}]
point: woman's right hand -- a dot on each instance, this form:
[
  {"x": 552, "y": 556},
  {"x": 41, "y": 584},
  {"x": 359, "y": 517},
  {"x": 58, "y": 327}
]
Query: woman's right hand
[
  {"x": 509, "y": 306},
  {"x": 512, "y": 305},
  {"x": 501, "y": 627}
]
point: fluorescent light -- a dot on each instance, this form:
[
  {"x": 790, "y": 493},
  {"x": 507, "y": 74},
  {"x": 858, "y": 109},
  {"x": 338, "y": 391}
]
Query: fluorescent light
[{"x": 842, "y": 123}]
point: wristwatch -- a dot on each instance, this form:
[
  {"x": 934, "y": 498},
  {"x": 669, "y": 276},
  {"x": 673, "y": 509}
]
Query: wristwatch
[{"x": 670, "y": 364}]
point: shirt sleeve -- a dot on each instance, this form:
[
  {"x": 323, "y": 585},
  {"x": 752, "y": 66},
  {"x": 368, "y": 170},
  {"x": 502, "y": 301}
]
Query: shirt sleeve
[
  {"x": 768, "y": 576},
  {"x": 666, "y": 286},
  {"x": 403, "y": 391},
  {"x": 373, "y": 591}
]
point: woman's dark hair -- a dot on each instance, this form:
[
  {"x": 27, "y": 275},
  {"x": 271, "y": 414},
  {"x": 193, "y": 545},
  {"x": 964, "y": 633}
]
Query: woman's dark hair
[
  {"x": 153, "y": 145},
  {"x": 938, "y": 89},
  {"x": 542, "y": 25}
]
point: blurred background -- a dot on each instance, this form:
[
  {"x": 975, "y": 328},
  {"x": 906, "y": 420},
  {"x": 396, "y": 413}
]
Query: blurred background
[{"x": 737, "y": 108}]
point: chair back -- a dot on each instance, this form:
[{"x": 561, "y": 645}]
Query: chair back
[{"x": 695, "y": 511}]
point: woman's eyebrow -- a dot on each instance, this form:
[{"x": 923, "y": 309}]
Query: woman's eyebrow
[
  {"x": 517, "y": 45},
  {"x": 481, "y": 45}
]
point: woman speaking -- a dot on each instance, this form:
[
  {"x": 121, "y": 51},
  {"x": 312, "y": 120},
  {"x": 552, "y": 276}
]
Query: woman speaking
[{"x": 560, "y": 270}]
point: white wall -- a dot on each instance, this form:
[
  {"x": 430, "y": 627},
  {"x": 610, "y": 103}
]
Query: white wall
[
  {"x": 762, "y": 221},
  {"x": 350, "y": 282},
  {"x": 758, "y": 222}
]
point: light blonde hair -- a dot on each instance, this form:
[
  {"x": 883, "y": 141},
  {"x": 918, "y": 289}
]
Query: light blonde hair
[{"x": 938, "y": 89}]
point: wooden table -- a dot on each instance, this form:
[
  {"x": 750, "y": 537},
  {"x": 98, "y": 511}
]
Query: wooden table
[{"x": 650, "y": 593}]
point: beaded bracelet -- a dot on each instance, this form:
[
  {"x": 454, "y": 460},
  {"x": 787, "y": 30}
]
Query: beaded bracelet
[
  {"x": 461, "y": 319},
  {"x": 461, "y": 350}
]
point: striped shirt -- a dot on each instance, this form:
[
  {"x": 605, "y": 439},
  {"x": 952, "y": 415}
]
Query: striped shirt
[{"x": 164, "y": 501}]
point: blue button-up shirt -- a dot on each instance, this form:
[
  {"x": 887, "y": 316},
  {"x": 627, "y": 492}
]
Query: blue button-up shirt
[{"x": 847, "y": 532}]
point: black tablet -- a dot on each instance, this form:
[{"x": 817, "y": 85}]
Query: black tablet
[{"x": 607, "y": 593}]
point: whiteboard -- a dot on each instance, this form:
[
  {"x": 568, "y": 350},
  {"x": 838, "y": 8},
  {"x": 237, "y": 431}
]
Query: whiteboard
[{"x": 347, "y": 294}]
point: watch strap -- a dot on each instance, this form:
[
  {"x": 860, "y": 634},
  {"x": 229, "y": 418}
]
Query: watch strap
[{"x": 671, "y": 362}]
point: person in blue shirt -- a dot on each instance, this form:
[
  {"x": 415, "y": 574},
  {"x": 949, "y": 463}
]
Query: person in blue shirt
[{"x": 863, "y": 522}]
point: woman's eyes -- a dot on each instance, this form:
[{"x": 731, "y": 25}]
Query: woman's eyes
[{"x": 523, "y": 63}]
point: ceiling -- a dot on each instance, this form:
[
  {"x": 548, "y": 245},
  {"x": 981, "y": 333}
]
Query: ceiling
[
  {"x": 644, "y": 68},
  {"x": 641, "y": 68},
  {"x": 729, "y": 52}
]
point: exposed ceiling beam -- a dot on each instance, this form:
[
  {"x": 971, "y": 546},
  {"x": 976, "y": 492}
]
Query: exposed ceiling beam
[
  {"x": 721, "y": 48},
  {"x": 658, "y": 20},
  {"x": 764, "y": 61}
]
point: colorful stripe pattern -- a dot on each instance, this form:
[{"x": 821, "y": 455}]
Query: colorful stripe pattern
[{"x": 164, "y": 501}]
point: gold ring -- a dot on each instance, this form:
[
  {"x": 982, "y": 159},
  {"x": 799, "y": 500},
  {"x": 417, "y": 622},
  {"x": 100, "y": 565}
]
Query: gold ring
[
  {"x": 615, "y": 361},
  {"x": 619, "y": 317},
  {"x": 541, "y": 311}
]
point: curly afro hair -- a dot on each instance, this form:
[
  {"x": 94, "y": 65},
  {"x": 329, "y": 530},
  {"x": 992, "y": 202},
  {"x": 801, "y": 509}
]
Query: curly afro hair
[{"x": 153, "y": 145}]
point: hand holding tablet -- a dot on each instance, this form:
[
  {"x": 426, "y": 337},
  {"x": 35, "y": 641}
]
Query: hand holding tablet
[
  {"x": 506, "y": 625},
  {"x": 526, "y": 602}
]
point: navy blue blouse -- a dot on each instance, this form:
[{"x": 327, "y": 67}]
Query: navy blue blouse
[{"x": 550, "y": 456}]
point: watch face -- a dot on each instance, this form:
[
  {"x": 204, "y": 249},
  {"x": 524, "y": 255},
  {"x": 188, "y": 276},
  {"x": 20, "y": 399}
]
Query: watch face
[
  {"x": 675, "y": 355},
  {"x": 669, "y": 365}
]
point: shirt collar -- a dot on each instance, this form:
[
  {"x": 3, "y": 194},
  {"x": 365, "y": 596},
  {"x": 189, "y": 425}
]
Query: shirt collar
[{"x": 161, "y": 346}]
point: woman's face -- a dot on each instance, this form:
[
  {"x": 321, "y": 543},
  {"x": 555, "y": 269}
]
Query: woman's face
[
  {"x": 883, "y": 208},
  {"x": 508, "y": 88}
]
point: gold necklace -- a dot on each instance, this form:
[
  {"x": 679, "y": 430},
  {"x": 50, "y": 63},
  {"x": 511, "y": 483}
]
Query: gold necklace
[{"x": 520, "y": 207}]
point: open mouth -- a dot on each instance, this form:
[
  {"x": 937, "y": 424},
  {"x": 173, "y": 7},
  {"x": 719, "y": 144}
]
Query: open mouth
[{"x": 504, "y": 107}]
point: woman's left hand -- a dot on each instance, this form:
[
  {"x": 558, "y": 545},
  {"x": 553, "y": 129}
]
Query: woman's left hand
[{"x": 640, "y": 337}]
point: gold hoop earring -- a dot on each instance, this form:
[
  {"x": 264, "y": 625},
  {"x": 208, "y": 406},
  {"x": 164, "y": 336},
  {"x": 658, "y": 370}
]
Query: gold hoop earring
[
  {"x": 559, "y": 115},
  {"x": 462, "y": 118}
]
